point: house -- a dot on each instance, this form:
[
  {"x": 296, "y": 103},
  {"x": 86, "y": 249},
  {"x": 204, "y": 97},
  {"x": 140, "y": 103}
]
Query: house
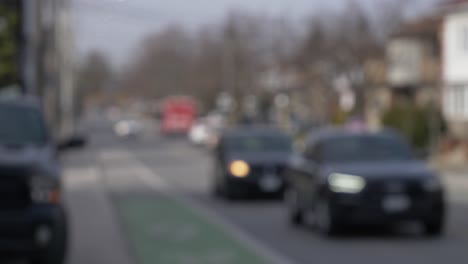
[
  {"x": 410, "y": 69},
  {"x": 454, "y": 41},
  {"x": 413, "y": 61}
]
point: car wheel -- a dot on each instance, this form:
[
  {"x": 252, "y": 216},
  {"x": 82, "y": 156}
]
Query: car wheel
[
  {"x": 325, "y": 221},
  {"x": 55, "y": 253},
  {"x": 296, "y": 216},
  {"x": 434, "y": 228}
]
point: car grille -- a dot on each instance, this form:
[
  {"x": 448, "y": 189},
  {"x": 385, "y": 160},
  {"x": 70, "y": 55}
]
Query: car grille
[
  {"x": 14, "y": 193},
  {"x": 261, "y": 170},
  {"x": 377, "y": 189}
]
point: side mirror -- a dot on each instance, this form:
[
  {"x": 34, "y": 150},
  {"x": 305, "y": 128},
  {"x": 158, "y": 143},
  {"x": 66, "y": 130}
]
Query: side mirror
[{"x": 74, "y": 142}]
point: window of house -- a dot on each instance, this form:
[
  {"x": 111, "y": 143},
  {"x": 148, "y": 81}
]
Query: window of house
[{"x": 456, "y": 102}]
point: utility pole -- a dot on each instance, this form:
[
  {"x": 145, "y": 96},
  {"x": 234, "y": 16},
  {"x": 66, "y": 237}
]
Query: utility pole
[
  {"x": 228, "y": 78},
  {"x": 29, "y": 12}
]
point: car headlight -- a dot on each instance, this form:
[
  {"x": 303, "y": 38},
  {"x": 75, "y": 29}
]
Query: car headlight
[
  {"x": 432, "y": 185},
  {"x": 44, "y": 190},
  {"x": 344, "y": 183},
  {"x": 122, "y": 129},
  {"x": 239, "y": 168}
]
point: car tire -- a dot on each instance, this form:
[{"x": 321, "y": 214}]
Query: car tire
[
  {"x": 325, "y": 221},
  {"x": 434, "y": 228},
  {"x": 296, "y": 215},
  {"x": 55, "y": 253}
]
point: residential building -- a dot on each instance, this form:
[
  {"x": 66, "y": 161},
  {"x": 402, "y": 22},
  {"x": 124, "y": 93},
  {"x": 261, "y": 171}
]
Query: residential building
[
  {"x": 413, "y": 61},
  {"x": 410, "y": 69},
  {"x": 455, "y": 66}
]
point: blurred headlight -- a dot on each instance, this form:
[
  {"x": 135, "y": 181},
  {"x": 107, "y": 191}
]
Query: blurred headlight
[
  {"x": 433, "y": 184},
  {"x": 344, "y": 183},
  {"x": 122, "y": 129},
  {"x": 239, "y": 168},
  {"x": 44, "y": 190}
]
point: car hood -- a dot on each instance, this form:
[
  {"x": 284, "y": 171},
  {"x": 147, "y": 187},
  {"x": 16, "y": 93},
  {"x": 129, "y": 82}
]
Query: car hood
[
  {"x": 28, "y": 158},
  {"x": 382, "y": 170},
  {"x": 260, "y": 157}
]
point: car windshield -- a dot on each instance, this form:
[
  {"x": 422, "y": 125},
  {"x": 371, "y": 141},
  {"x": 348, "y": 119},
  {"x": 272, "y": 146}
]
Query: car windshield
[
  {"x": 366, "y": 148},
  {"x": 21, "y": 126},
  {"x": 259, "y": 143}
]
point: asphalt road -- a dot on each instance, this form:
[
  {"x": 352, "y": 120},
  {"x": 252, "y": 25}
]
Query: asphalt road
[{"x": 147, "y": 200}]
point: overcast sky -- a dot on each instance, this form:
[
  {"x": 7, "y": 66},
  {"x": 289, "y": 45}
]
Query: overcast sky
[{"x": 116, "y": 26}]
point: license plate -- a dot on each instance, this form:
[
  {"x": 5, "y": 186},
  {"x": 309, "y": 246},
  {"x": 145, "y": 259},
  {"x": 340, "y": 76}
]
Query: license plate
[
  {"x": 270, "y": 183},
  {"x": 396, "y": 203}
]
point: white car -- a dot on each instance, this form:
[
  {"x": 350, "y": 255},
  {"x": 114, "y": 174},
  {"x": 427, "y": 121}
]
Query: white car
[
  {"x": 128, "y": 128},
  {"x": 201, "y": 134}
]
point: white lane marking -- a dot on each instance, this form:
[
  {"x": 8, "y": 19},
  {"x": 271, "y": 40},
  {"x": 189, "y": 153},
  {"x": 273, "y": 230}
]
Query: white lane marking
[
  {"x": 157, "y": 183},
  {"x": 81, "y": 178}
]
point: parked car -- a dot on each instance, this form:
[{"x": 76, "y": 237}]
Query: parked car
[
  {"x": 349, "y": 177},
  {"x": 250, "y": 160},
  {"x": 33, "y": 221}
]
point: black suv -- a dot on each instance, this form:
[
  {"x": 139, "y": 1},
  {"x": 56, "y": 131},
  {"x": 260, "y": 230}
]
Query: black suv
[{"x": 32, "y": 218}]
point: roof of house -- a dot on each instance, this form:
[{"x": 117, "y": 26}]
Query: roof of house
[
  {"x": 451, "y": 6},
  {"x": 426, "y": 27}
]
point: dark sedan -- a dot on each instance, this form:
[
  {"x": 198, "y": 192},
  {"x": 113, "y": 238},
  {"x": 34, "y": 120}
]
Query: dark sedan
[
  {"x": 250, "y": 160},
  {"x": 346, "y": 178}
]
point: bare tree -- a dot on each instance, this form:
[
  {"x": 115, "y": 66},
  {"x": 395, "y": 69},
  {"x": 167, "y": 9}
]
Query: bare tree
[
  {"x": 339, "y": 46},
  {"x": 94, "y": 76},
  {"x": 232, "y": 55}
]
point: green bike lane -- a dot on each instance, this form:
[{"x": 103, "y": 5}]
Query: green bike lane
[
  {"x": 161, "y": 226},
  {"x": 162, "y": 230}
]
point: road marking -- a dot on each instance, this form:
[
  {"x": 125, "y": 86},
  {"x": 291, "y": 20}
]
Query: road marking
[
  {"x": 157, "y": 183},
  {"x": 80, "y": 178}
]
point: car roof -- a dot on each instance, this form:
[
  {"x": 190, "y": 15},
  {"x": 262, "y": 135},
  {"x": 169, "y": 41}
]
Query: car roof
[
  {"x": 241, "y": 131},
  {"x": 340, "y": 132},
  {"x": 23, "y": 101}
]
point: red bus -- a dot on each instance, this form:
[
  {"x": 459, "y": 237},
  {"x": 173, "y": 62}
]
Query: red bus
[{"x": 178, "y": 115}]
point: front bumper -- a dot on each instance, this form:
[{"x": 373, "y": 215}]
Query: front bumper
[
  {"x": 362, "y": 209},
  {"x": 255, "y": 184},
  {"x": 22, "y": 232}
]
